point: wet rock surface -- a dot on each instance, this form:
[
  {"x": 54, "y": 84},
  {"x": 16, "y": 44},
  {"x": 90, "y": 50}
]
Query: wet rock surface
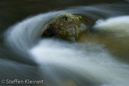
[{"x": 66, "y": 26}]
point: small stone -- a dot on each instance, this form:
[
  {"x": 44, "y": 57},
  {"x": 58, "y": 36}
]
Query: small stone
[{"x": 66, "y": 26}]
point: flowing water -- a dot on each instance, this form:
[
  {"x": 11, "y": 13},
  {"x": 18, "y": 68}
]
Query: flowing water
[{"x": 99, "y": 58}]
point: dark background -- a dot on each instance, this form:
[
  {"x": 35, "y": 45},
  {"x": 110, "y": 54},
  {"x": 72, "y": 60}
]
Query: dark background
[{"x": 12, "y": 11}]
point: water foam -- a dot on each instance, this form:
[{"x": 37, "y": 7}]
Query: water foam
[
  {"x": 94, "y": 63},
  {"x": 118, "y": 25}
]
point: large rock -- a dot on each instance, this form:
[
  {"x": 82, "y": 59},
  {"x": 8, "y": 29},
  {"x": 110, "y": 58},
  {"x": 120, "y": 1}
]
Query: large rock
[{"x": 67, "y": 27}]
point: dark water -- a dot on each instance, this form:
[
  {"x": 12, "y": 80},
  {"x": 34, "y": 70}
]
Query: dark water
[{"x": 101, "y": 59}]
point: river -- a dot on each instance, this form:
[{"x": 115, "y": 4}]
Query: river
[{"x": 100, "y": 58}]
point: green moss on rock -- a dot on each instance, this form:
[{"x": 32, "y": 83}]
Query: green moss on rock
[{"x": 66, "y": 26}]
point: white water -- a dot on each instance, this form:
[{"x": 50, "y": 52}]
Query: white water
[
  {"x": 69, "y": 64},
  {"x": 117, "y": 25}
]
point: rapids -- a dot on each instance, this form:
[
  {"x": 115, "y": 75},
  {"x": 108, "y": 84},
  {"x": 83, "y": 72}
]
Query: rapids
[{"x": 93, "y": 61}]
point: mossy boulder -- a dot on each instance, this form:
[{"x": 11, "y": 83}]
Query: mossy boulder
[{"x": 66, "y": 26}]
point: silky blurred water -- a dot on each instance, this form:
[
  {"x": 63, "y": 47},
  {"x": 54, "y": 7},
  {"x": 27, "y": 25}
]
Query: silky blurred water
[{"x": 99, "y": 58}]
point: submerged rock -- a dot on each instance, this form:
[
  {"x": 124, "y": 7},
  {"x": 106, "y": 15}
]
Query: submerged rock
[{"x": 66, "y": 26}]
